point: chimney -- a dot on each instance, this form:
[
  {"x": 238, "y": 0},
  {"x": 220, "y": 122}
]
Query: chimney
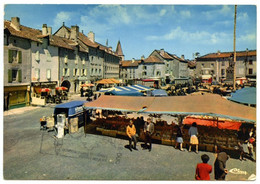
[
  {"x": 15, "y": 23},
  {"x": 91, "y": 36},
  {"x": 49, "y": 31},
  {"x": 162, "y": 51},
  {"x": 74, "y": 32},
  {"x": 44, "y": 29},
  {"x": 182, "y": 57},
  {"x": 218, "y": 52},
  {"x": 142, "y": 57},
  {"x": 133, "y": 60}
]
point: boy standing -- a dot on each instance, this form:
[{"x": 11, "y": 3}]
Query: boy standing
[{"x": 203, "y": 169}]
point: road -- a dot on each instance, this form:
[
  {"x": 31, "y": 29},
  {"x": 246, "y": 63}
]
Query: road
[{"x": 33, "y": 154}]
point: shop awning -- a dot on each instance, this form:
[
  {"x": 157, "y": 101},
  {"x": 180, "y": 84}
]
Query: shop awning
[{"x": 108, "y": 81}]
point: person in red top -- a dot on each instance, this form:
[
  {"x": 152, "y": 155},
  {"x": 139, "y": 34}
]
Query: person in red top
[{"x": 203, "y": 169}]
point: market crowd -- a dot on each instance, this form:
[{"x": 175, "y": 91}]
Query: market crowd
[{"x": 246, "y": 140}]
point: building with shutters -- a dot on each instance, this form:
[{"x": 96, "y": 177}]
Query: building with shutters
[
  {"x": 17, "y": 65},
  {"x": 219, "y": 65}
]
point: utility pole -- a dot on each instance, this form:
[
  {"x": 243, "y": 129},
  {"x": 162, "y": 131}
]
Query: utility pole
[{"x": 235, "y": 54}]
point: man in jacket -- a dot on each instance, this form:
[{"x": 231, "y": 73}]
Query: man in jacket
[
  {"x": 148, "y": 131},
  {"x": 220, "y": 170},
  {"x": 131, "y": 133}
]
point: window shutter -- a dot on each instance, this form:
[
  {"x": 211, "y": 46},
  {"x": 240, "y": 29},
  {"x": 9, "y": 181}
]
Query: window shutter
[
  {"x": 19, "y": 56},
  {"x": 9, "y": 76},
  {"x": 10, "y": 56},
  {"x": 48, "y": 74},
  {"x": 68, "y": 72},
  {"x": 63, "y": 72},
  {"x": 20, "y": 75}
]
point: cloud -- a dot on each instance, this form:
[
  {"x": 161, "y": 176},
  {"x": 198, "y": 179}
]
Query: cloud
[
  {"x": 181, "y": 35},
  {"x": 163, "y": 12},
  {"x": 242, "y": 16},
  {"x": 62, "y": 17},
  {"x": 185, "y": 14},
  {"x": 250, "y": 37},
  {"x": 224, "y": 10}
]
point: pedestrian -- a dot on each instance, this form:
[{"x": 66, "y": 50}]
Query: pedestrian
[
  {"x": 220, "y": 170},
  {"x": 250, "y": 142},
  {"x": 148, "y": 131},
  {"x": 137, "y": 124},
  {"x": 193, "y": 133},
  {"x": 179, "y": 139},
  {"x": 241, "y": 151},
  {"x": 131, "y": 133},
  {"x": 81, "y": 92},
  {"x": 203, "y": 169}
]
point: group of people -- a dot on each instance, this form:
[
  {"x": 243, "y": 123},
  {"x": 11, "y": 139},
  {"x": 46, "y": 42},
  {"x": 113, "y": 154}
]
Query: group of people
[
  {"x": 204, "y": 169},
  {"x": 148, "y": 132}
]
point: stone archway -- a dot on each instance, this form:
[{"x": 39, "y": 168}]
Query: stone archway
[{"x": 66, "y": 84}]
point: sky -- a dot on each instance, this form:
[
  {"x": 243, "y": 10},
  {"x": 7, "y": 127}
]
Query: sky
[{"x": 180, "y": 29}]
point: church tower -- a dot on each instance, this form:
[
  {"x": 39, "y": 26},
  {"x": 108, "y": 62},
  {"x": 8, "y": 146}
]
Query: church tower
[{"x": 119, "y": 51}]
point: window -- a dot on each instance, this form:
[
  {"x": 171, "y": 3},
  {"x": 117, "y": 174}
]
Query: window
[
  {"x": 48, "y": 74},
  {"x": 37, "y": 73},
  {"x": 250, "y": 71},
  {"x": 14, "y": 75},
  {"x": 222, "y": 71},
  {"x": 144, "y": 68},
  {"x": 37, "y": 56},
  {"x": 76, "y": 60},
  {"x": 66, "y": 72},
  {"x": 158, "y": 73},
  {"x": 66, "y": 59},
  {"x": 250, "y": 62},
  {"x": 14, "y": 56},
  {"x": 223, "y": 63},
  {"x": 48, "y": 55},
  {"x": 212, "y": 65},
  {"x": 202, "y": 65},
  {"x": 83, "y": 61}
]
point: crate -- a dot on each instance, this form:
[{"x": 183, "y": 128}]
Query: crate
[{"x": 73, "y": 125}]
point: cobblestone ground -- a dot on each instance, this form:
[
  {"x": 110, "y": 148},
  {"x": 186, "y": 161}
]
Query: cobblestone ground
[{"x": 33, "y": 154}]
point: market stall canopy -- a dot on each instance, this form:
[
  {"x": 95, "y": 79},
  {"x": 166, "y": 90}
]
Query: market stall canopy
[
  {"x": 87, "y": 85},
  {"x": 62, "y": 88},
  {"x": 73, "y": 107},
  {"x": 213, "y": 122},
  {"x": 209, "y": 104},
  {"x": 120, "y": 103},
  {"x": 159, "y": 92},
  {"x": 43, "y": 90},
  {"x": 108, "y": 81},
  {"x": 244, "y": 95},
  {"x": 134, "y": 90}
]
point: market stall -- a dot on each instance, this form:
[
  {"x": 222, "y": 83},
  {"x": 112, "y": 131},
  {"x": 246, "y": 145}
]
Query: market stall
[{"x": 212, "y": 112}]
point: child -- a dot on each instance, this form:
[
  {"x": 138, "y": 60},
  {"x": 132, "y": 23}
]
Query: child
[{"x": 203, "y": 169}]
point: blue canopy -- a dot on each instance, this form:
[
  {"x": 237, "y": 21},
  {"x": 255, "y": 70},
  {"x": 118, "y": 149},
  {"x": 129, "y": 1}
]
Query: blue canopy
[
  {"x": 159, "y": 92},
  {"x": 126, "y": 93},
  {"x": 244, "y": 95},
  {"x": 126, "y": 90},
  {"x": 73, "y": 107}
]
